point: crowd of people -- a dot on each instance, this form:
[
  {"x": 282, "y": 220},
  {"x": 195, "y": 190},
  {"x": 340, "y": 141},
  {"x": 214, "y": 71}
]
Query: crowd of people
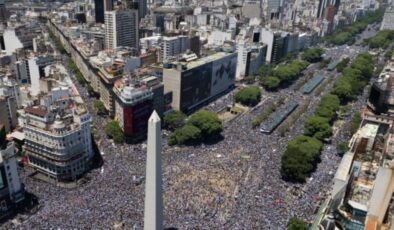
[{"x": 234, "y": 183}]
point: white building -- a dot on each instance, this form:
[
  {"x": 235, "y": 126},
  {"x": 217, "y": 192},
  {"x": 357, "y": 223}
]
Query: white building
[
  {"x": 173, "y": 46},
  {"x": 121, "y": 28},
  {"x": 11, "y": 188},
  {"x": 388, "y": 19},
  {"x": 218, "y": 37},
  {"x": 57, "y": 132}
]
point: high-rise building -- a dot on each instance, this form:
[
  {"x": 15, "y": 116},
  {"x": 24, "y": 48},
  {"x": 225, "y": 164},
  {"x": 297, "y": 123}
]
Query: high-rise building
[
  {"x": 8, "y": 112},
  {"x": 194, "y": 82},
  {"x": 140, "y": 5},
  {"x": 3, "y": 12},
  {"x": 121, "y": 28},
  {"x": 11, "y": 189},
  {"x": 273, "y": 9},
  {"x": 57, "y": 135},
  {"x": 99, "y": 10},
  {"x": 153, "y": 213},
  {"x": 388, "y": 19},
  {"x": 173, "y": 46},
  {"x": 323, "y": 5},
  {"x": 108, "y": 5}
]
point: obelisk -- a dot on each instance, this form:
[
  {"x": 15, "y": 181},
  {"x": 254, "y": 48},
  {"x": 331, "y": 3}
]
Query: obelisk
[{"x": 153, "y": 216}]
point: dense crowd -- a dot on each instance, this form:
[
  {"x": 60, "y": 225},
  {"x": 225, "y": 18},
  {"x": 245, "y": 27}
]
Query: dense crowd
[{"x": 234, "y": 183}]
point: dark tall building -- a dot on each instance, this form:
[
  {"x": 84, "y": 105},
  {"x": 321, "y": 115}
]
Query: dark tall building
[
  {"x": 99, "y": 10},
  {"x": 140, "y": 5},
  {"x": 3, "y": 12}
]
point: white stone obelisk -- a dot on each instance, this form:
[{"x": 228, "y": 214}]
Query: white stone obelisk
[{"x": 153, "y": 216}]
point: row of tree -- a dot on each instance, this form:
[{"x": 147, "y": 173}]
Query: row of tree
[
  {"x": 78, "y": 75},
  {"x": 267, "y": 111},
  {"x": 312, "y": 55},
  {"x": 58, "y": 44},
  {"x": 354, "y": 78},
  {"x": 382, "y": 39},
  {"x": 347, "y": 34},
  {"x": 201, "y": 126},
  {"x": 249, "y": 96},
  {"x": 113, "y": 130},
  {"x": 272, "y": 78},
  {"x": 303, "y": 152}
]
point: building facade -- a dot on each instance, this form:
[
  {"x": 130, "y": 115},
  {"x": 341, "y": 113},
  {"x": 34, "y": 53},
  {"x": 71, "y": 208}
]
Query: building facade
[
  {"x": 57, "y": 136},
  {"x": 195, "y": 82},
  {"x": 133, "y": 106},
  {"x": 173, "y": 46},
  {"x": 121, "y": 28},
  {"x": 11, "y": 189}
]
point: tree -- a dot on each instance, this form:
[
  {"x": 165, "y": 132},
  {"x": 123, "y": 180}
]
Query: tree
[
  {"x": 249, "y": 96},
  {"x": 270, "y": 83},
  {"x": 342, "y": 65},
  {"x": 328, "y": 106},
  {"x": 343, "y": 91},
  {"x": 317, "y": 127},
  {"x": 312, "y": 54},
  {"x": 174, "y": 120},
  {"x": 185, "y": 135},
  {"x": 355, "y": 123},
  {"x": 265, "y": 70},
  {"x": 208, "y": 122},
  {"x": 300, "y": 158},
  {"x": 113, "y": 130},
  {"x": 90, "y": 89},
  {"x": 99, "y": 107},
  {"x": 296, "y": 224},
  {"x": 342, "y": 148}
]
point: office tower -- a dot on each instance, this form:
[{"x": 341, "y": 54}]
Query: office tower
[
  {"x": 121, "y": 28},
  {"x": 8, "y": 112},
  {"x": 194, "y": 82},
  {"x": 140, "y": 5},
  {"x": 153, "y": 214},
  {"x": 3, "y": 12},
  {"x": 108, "y": 5},
  {"x": 323, "y": 5},
  {"x": 173, "y": 46},
  {"x": 273, "y": 9},
  {"x": 11, "y": 189},
  {"x": 99, "y": 10}
]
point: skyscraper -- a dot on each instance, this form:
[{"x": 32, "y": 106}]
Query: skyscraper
[
  {"x": 140, "y": 5},
  {"x": 99, "y": 10},
  {"x": 108, "y": 5},
  {"x": 3, "y": 12},
  {"x": 153, "y": 214},
  {"x": 121, "y": 28}
]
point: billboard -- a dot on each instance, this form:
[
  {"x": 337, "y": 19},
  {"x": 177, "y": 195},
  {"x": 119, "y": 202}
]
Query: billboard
[{"x": 223, "y": 74}]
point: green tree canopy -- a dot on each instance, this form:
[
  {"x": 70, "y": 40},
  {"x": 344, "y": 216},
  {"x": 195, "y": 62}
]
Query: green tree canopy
[
  {"x": 296, "y": 224},
  {"x": 355, "y": 123},
  {"x": 312, "y": 54},
  {"x": 342, "y": 65},
  {"x": 112, "y": 129},
  {"x": 270, "y": 83},
  {"x": 317, "y": 127},
  {"x": 174, "y": 120},
  {"x": 185, "y": 135},
  {"x": 342, "y": 148},
  {"x": 99, "y": 107},
  {"x": 300, "y": 158},
  {"x": 249, "y": 96},
  {"x": 208, "y": 122}
]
